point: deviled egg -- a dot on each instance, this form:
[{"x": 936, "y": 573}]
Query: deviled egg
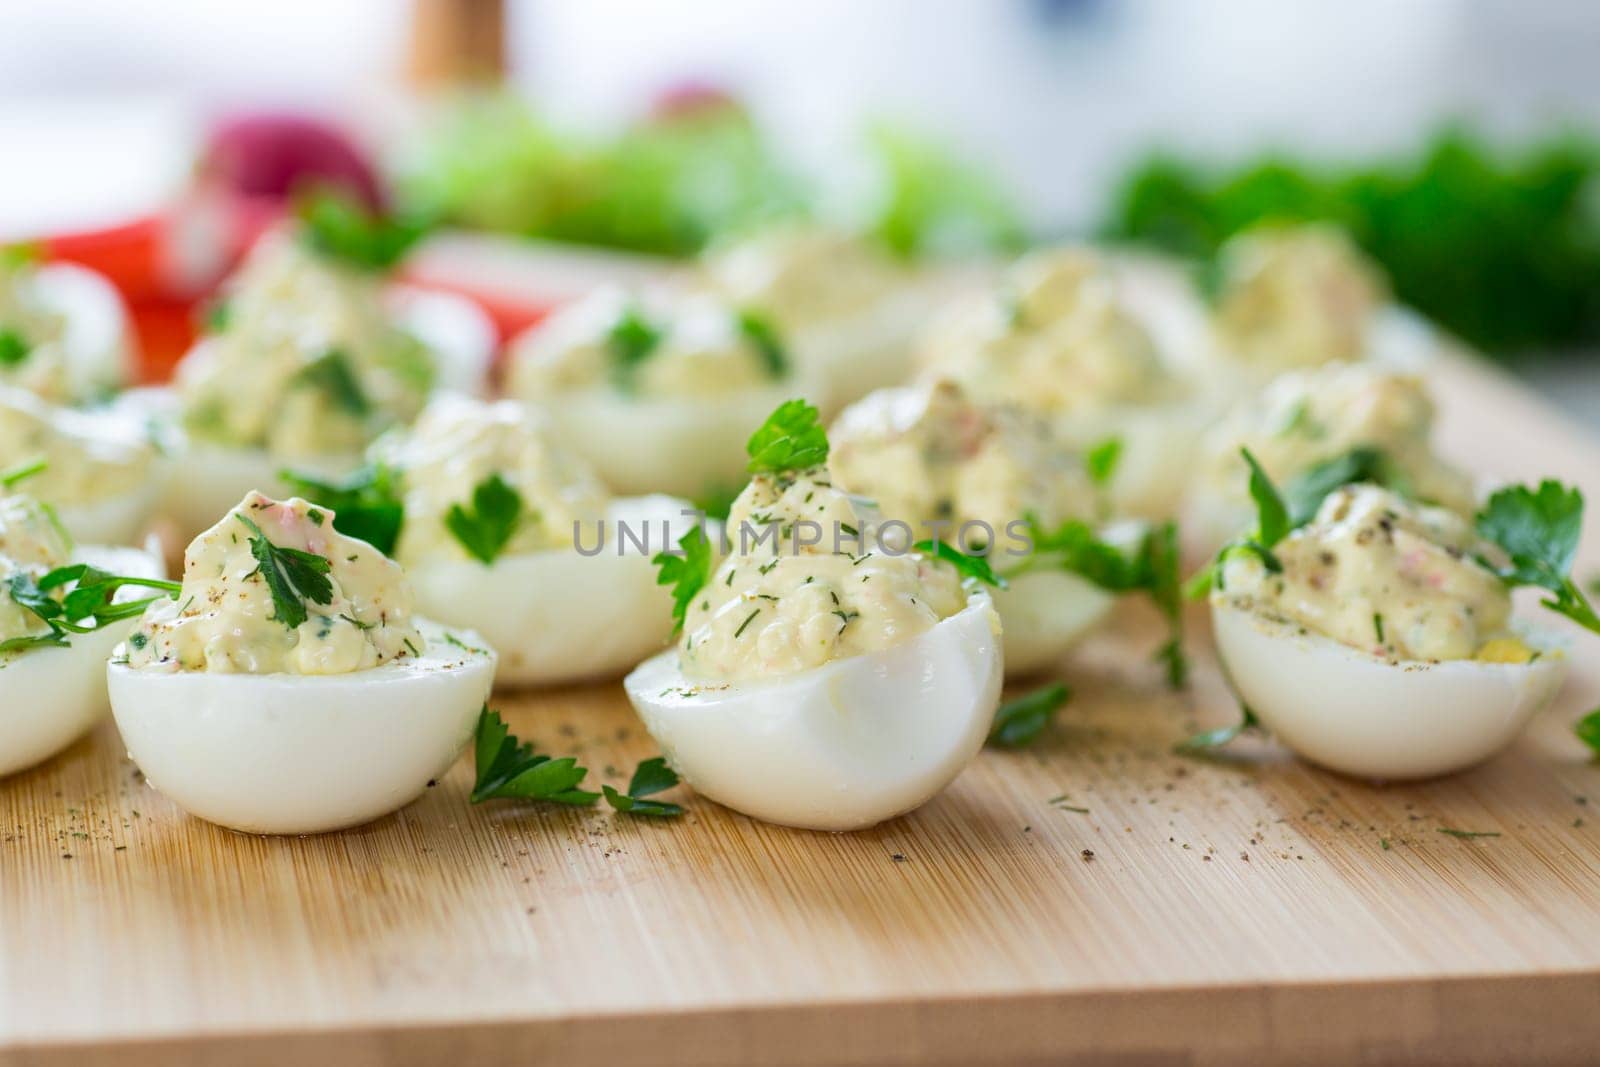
[
  {"x": 288, "y": 688},
  {"x": 992, "y": 475},
  {"x": 64, "y": 332},
  {"x": 655, "y": 393},
  {"x": 848, "y": 311},
  {"x": 1293, "y": 297},
  {"x": 1058, "y": 339},
  {"x": 509, "y": 533},
  {"x": 52, "y": 680},
  {"x": 820, "y": 681},
  {"x": 98, "y": 470},
  {"x": 308, "y": 362},
  {"x": 1352, "y": 414},
  {"x": 1374, "y": 641}
]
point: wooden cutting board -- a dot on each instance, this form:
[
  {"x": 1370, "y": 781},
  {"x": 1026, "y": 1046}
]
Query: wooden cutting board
[{"x": 1167, "y": 909}]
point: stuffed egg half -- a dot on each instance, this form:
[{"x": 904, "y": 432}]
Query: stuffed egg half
[
  {"x": 1376, "y": 644},
  {"x": 507, "y": 532},
  {"x": 288, "y": 687},
  {"x": 821, "y": 685}
]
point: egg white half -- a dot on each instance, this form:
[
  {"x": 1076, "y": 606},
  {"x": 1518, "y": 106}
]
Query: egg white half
[
  {"x": 558, "y": 616},
  {"x": 1043, "y": 613},
  {"x": 50, "y": 697},
  {"x": 98, "y": 343},
  {"x": 303, "y": 754},
  {"x": 456, "y": 330},
  {"x": 1353, "y": 712},
  {"x": 839, "y": 747},
  {"x": 678, "y": 445}
]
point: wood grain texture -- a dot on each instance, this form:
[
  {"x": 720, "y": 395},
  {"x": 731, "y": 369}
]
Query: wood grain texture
[{"x": 1237, "y": 911}]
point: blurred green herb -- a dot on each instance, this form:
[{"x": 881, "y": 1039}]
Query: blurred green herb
[
  {"x": 651, "y": 777},
  {"x": 1019, "y": 722},
  {"x": 366, "y": 504},
  {"x": 1501, "y": 248}
]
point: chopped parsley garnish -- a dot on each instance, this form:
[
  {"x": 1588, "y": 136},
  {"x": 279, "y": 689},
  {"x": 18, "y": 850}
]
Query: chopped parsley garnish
[
  {"x": 339, "y": 226},
  {"x": 1377, "y": 626},
  {"x": 630, "y": 341},
  {"x": 1467, "y": 835},
  {"x": 975, "y": 567},
  {"x": 792, "y": 439},
  {"x": 14, "y": 347},
  {"x": 1538, "y": 531},
  {"x": 366, "y": 505},
  {"x": 508, "y": 768},
  {"x": 687, "y": 572},
  {"x": 86, "y": 607},
  {"x": 292, "y": 576},
  {"x": 748, "y": 619},
  {"x": 1020, "y": 722},
  {"x": 651, "y": 777},
  {"x": 1305, "y": 492},
  {"x": 217, "y": 315},
  {"x": 1101, "y": 461},
  {"x": 332, "y": 374},
  {"x": 486, "y": 528},
  {"x": 763, "y": 337},
  {"x": 1588, "y": 730},
  {"x": 14, "y": 476},
  {"x": 1206, "y": 741}
]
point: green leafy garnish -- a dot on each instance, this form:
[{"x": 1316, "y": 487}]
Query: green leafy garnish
[
  {"x": 631, "y": 340},
  {"x": 687, "y": 572},
  {"x": 1207, "y": 741},
  {"x": 332, "y": 374},
  {"x": 1587, "y": 730},
  {"x": 507, "y": 768},
  {"x": 292, "y": 576},
  {"x": 14, "y": 476},
  {"x": 792, "y": 439},
  {"x": 1101, "y": 461},
  {"x": 974, "y": 567},
  {"x": 763, "y": 337},
  {"x": 85, "y": 607},
  {"x": 485, "y": 530},
  {"x": 14, "y": 347},
  {"x": 716, "y": 501},
  {"x": 1467, "y": 835},
  {"x": 651, "y": 777},
  {"x": 1305, "y": 493},
  {"x": 366, "y": 505},
  {"x": 218, "y": 313},
  {"x": 1020, "y": 722},
  {"x": 1272, "y": 514},
  {"x": 339, "y": 226},
  {"x": 1538, "y": 531}
]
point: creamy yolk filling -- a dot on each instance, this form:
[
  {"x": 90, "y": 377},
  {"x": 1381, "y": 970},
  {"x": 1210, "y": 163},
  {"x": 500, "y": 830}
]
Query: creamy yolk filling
[
  {"x": 1379, "y": 573},
  {"x": 776, "y": 609},
  {"x": 227, "y": 618}
]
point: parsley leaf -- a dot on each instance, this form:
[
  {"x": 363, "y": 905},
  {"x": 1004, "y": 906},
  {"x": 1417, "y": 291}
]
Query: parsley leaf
[
  {"x": 651, "y": 777},
  {"x": 1588, "y": 730},
  {"x": 1538, "y": 531},
  {"x": 631, "y": 340},
  {"x": 86, "y": 607},
  {"x": 763, "y": 337},
  {"x": 341, "y": 227},
  {"x": 1101, "y": 461},
  {"x": 792, "y": 439},
  {"x": 292, "y": 576},
  {"x": 485, "y": 530},
  {"x": 974, "y": 567},
  {"x": 687, "y": 572},
  {"x": 1306, "y": 491},
  {"x": 366, "y": 504},
  {"x": 508, "y": 768},
  {"x": 1272, "y": 515},
  {"x": 14, "y": 348},
  {"x": 332, "y": 374},
  {"x": 13, "y": 476},
  {"x": 1206, "y": 741},
  {"x": 1019, "y": 722}
]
